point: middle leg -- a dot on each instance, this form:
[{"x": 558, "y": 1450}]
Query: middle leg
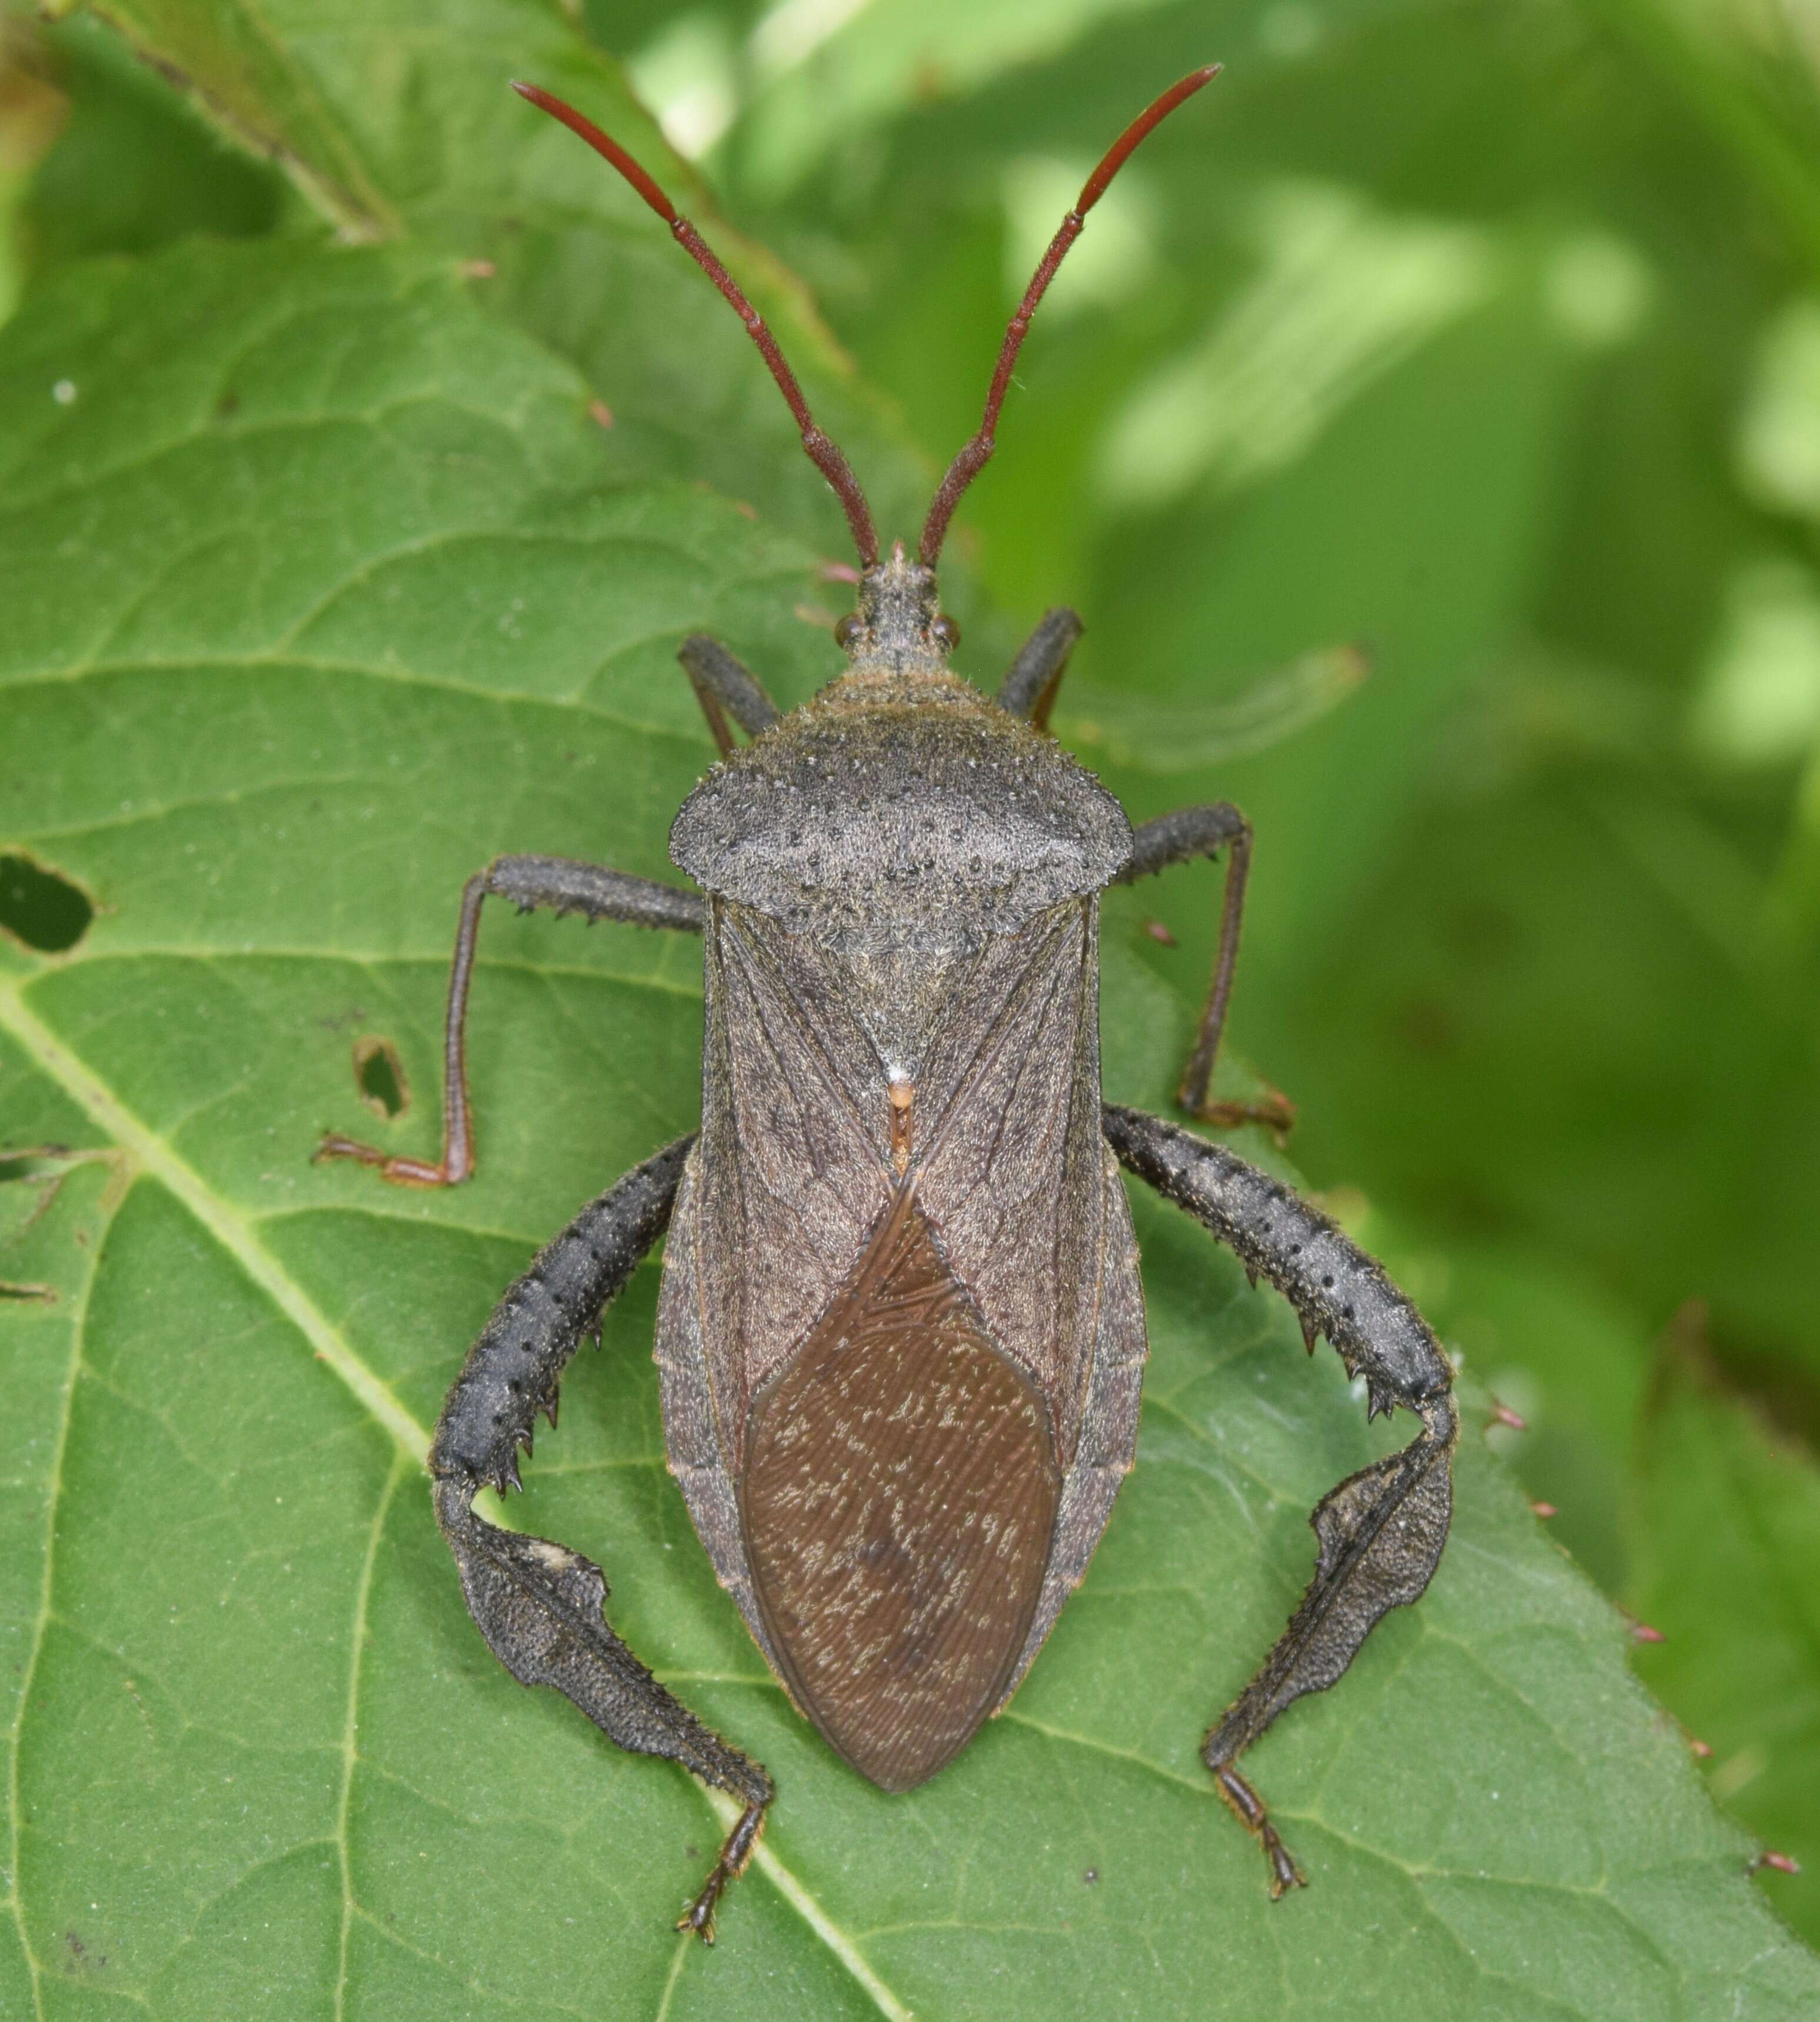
[
  {"x": 564, "y": 885},
  {"x": 1029, "y": 690},
  {"x": 1180, "y": 838},
  {"x": 724, "y": 686}
]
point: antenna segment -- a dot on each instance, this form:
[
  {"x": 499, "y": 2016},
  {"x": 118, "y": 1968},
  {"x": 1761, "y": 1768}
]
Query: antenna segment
[
  {"x": 975, "y": 453},
  {"x": 821, "y": 451}
]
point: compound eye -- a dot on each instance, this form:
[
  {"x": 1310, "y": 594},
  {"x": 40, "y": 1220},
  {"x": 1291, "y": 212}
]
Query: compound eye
[
  {"x": 847, "y": 630},
  {"x": 945, "y": 633}
]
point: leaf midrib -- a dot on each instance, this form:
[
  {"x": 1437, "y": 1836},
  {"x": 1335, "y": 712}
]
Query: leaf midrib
[
  {"x": 350, "y": 1751},
  {"x": 156, "y": 1158}
]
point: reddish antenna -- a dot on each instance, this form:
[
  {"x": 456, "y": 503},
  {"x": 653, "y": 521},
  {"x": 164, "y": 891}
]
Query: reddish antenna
[
  {"x": 975, "y": 453},
  {"x": 821, "y": 451}
]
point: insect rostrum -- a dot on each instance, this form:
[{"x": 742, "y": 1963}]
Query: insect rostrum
[{"x": 901, "y": 1336}]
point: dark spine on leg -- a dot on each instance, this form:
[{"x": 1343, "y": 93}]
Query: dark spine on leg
[
  {"x": 538, "y": 1603},
  {"x": 593, "y": 890},
  {"x": 513, "y": 1370},
  {"x": 1335, "y": 1288},
  {"x": 1380, "y": 1534}
]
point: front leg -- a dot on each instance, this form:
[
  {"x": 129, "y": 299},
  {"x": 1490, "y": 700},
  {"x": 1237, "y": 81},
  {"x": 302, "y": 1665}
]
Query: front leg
[
  {"x": 1180, "y": 838},
  {"x": 724, "y": 686},
  {"x": 538, "y": 1603},
  {"x": 566, "y": 886},
  {"x": 1380, "y": 1532},
  {"x": 1030, "y": 684}
]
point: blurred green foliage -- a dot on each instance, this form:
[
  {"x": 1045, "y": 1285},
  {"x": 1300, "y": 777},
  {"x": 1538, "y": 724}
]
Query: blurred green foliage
[{"x": 1485, "y": 340}]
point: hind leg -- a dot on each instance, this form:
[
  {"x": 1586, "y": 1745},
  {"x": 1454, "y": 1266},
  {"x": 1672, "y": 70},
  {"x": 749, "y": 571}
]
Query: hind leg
[
  {"x": 1380, "y": 1534},
  {"x": 538, "y": 1603}
]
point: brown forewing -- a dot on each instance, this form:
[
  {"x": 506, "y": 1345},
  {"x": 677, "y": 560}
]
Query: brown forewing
[
  {"x": 899, "y": 1502},
  {"x": 796, "y": 1166},
  {"x": 875, "y": 1384}
]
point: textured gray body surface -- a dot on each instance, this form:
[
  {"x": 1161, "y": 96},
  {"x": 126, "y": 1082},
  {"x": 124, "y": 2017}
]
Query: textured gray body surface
[
  {"x": 900, "y": 812},
  {"x": 900, "y": 965}
]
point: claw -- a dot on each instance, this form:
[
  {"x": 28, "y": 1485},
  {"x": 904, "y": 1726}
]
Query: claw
[
  {"x": 1284, "y": 1875},
  {"x": 699, "y": 1917},
  {"x": 1251, "y": 1278},
  {"x": 550, "y": 1409},
  {"x": 1310, "y": 1333},
  {"x": 1246, "y": 1806}
]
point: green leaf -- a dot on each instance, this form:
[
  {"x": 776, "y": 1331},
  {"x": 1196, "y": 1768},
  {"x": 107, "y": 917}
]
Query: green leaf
[
  {"x": 327, "y": 589},
  {"x": 134, "y": 169},
  {"x": 394, "y": 120},
  {"x": 1725, "y": 1524}
]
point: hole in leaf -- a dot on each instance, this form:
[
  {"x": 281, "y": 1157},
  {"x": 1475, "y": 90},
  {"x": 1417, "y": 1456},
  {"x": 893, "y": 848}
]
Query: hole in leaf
[
  {"x": 380, "y": 1078},
  {"x": 46, "y": 911},
  {"x": 29, "y": 1181}
]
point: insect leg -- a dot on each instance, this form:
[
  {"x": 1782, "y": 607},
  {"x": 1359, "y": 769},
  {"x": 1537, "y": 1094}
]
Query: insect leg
[
  {"x": 565, "y": 885},
  {"x": 1180, "y": 838},
  {"x": 538, "y": 1603},
  {"x": 1030, "y": 683},
  {"x": 1380, "y": 1534},
  {"x": 724, "y": 686}
]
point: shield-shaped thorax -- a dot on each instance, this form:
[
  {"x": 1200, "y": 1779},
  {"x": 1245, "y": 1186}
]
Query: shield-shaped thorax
[{"x": 896, "y": 1253}]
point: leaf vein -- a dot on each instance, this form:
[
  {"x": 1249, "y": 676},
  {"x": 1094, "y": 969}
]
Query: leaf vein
[
  {"x": 45, "y": 1615},
  {"x": 842, "y": 1943},
  {"x": 350, "y": 1754},
  {"x": 227, "y": 1226}
]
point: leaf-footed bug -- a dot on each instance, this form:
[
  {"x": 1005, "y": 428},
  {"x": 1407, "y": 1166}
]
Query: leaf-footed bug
[{"x": 900, "y": 1335}]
